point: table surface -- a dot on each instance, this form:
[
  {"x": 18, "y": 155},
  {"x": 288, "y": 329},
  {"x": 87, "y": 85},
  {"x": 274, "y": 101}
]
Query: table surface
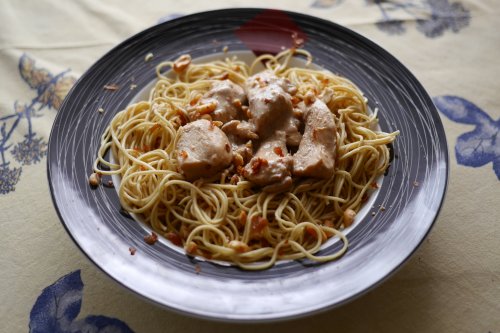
[{"x": 451, "y": 284}]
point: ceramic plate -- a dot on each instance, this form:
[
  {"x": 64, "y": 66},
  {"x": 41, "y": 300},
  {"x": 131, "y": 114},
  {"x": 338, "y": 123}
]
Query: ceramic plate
[{"x": 412, "y": 191}]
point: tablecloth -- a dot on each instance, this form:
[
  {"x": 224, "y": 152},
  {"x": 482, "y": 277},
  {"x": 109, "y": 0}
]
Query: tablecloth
[{"x": 451, "y": 284}]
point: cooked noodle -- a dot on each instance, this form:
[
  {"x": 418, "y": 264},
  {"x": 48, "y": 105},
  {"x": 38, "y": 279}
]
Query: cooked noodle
[{"x": 206, "y": 215}]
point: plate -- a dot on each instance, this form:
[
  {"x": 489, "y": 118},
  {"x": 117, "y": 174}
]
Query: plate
[{"x": 412, "y": 191}]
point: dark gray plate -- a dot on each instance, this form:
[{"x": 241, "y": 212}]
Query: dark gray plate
[{"x": 378, "y": 244}]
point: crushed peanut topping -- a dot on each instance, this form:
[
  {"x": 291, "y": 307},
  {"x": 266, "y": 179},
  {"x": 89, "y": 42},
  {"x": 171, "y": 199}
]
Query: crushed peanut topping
[
  {"x": 95, "y": 179},
  {"x": 181, "y": 63},
  {"x": 206, "y": 108},
  {"x": 151, "y": 239},
  {"x": 238, "y": 246},
  {"x": 148, "y": 57},
  {"x": 309, "y": 98},
  {"x": 111, "y": 87},
  {"x": 349, "y": 216}
]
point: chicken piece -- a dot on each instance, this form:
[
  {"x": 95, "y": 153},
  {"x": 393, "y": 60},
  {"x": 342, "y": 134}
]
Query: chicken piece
[
  {"x": 228, "y": 97},
  {"x": 270, "y": 105},
  {"x": 240, "y": 134},
  {"x": 316, "y": 154},
  {"x": 202, "y": 150},
  {"x": 271, "y": 166}
]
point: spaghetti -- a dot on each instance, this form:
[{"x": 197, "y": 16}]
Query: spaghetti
[{"x": 226, "y": 217}]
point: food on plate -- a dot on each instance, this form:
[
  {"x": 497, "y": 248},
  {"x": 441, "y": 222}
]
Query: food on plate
[{"x": 247, "y": 165}]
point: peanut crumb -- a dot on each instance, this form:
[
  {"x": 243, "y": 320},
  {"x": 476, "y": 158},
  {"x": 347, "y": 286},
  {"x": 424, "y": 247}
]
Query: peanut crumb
[
  {"x": 349, "y": 216},
  {"x": 151, "y": 239},
  {"x": 181, "y": 63},
  {"x": 225, "y": 49},
  {"x": 112, "y": 87},
  {"x": 95, "y": 179},
  {"x": 415, "y": 183},
  {"x": 191, "y": 248},
  {"x": 132, "y": 250},
  {"x": 148, "y": 57},
  {"x": 100, "y": 110}
]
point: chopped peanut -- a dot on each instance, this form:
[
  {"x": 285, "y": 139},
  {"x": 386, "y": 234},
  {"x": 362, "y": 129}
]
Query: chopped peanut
[
  {"x": 206, "y": 108},
  {"x": 349, "y": 216},
  {"x": 191, "y": 248},
  {"x": 238, "y": 246},
  {"x": 151, "y": 239},
  {"x": 309, "y": 98},
  {"x": 238, "y": 160},
  {"x": 181, "y": 63},
  {"x": 246, "y": 110},
  {"x": 95, "y": 179},
  {"x": 111, "y": 87},
  {"x": 148, "y": 57},
  {"x": 237, "y": 103}
]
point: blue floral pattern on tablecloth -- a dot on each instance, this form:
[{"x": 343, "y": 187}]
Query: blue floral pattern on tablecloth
[
  {"x": 57, "y": 307},
  {"x": 479, "y": 146},
  {"x": 50, "y": 91},
  {"x": 442, "y": 15},
  {"x": 433, "y": 17}
]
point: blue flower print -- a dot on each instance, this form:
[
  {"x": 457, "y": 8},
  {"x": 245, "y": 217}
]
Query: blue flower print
[
  {"x": 479, "y": 146},
  {"x": 443, "y": 15},
  {"x": 392, "y": 27},
  {"x": 8, "y": 179},
  {"x": 50, "y": 91},
  {"x": 30, "y": 151},
  {"x": 59, "y": 304}
]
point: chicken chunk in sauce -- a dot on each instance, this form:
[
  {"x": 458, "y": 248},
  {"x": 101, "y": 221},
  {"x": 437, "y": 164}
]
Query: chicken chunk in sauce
[
  {"x": 228, "y": 98},
  {"x": 272, "y": 165},
  {"x": 202, "y": 150},
  {"x": 270, "y": 105},
  {"x": 316, "y": 154}
]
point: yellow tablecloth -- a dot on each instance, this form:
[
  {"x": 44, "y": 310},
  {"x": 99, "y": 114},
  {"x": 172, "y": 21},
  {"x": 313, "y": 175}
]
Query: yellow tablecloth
[{"x": 452, "y": 284}]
